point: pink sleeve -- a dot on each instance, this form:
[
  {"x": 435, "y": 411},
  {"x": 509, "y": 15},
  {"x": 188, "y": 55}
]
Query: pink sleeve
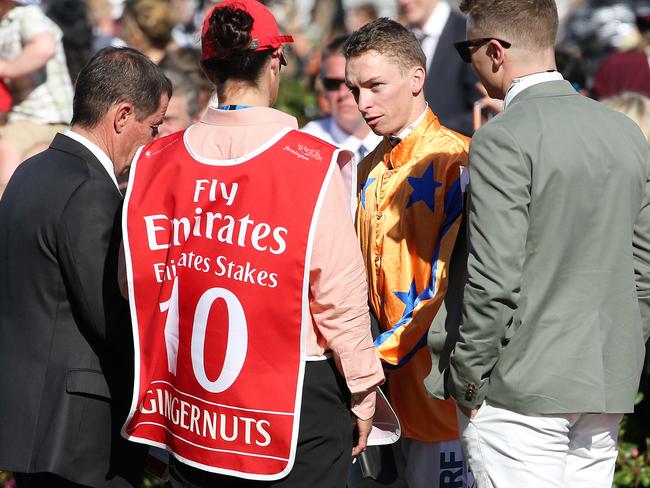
[{"x": 339, "y": 298}]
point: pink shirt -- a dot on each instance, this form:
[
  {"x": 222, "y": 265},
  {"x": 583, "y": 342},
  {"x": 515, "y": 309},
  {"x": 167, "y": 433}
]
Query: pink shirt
[{"x": 338, "y": 287}]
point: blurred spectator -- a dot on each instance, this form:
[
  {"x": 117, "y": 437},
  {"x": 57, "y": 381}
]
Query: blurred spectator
[
  {"x": 184, "y": 32},
  {"x": 327, "y": 18},
  {"x": 146, "y": 25},
  {"x": 450, "y": 84},
  {"x": 597, "y": 28},
  {"x": 360, "y": 15},
  {"x": 630, "y": 70},
  {"x": 345, "y": 127},
  {"x": 72, "y": 18},
  {"x": 635, "y": 106},
  {"x": 566, "y": 7},
  {"x": 32, "y": 62},
  {"x": 102, "y": 17},
  {"x": 569, "y": 63},
  {"x": 186, "y": 60},
  {"x": 183, "y": 108}
]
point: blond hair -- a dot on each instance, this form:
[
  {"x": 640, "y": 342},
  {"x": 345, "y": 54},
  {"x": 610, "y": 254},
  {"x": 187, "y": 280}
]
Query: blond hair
[
  {"x": 154, "y": 18},
  {"x": 524, "y": 23},
  {"x": 635, "y": 106}
]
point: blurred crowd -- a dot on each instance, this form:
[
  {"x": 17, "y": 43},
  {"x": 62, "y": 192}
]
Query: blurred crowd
[{"x": 603, "y": 49}]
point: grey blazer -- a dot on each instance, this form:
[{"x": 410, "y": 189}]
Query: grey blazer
[{"x": 556, "y": 308}]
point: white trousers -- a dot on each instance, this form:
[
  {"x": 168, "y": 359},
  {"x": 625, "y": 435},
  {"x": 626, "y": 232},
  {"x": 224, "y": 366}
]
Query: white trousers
[{"x": 505, "y": 449}]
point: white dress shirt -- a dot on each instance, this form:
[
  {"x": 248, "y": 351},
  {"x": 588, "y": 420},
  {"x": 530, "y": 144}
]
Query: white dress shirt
[
  {"x": 407, "y": 130},
  {"x": 97, "y": 152},
  {"x": 432, "y": 30},
  {"x": 520, "y": 84},
  {"x": 329, "y": 131}
]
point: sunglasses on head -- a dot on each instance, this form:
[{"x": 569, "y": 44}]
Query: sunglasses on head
[
  {"x": 332, "y": 84},
  {"x": 463, "y": 47}
]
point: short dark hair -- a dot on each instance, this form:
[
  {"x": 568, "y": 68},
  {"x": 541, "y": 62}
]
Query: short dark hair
[
  {"x": 183, "y": 85},
  {"x": 389, "y": 38},
  {"x": 333, "y": 48},
  {"x": 529, "y": 23},
  {"x": 231, "y": 31},
  {"x": 115, "y": 75}
]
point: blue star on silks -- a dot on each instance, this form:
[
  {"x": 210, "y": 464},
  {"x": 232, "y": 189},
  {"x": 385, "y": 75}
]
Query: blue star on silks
[
  {"x": 424, "y": 188},
  {"x": 365, "y": 186},
  {"x": 408, "y": 298}
]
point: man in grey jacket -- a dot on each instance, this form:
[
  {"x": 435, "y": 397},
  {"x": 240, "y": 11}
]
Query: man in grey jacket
[{"x": 556, "y": 306}]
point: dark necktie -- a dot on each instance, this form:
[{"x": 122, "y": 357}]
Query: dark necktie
[{"x": 419, "y": 34}]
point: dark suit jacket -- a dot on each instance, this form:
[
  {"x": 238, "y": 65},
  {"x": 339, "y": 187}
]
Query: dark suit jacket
[
  {"x": 65, "y": 337},
  {"x": 450, "y": 85}
]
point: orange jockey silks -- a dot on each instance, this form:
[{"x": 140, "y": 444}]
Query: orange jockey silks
[{"x": 409, "y": 213}]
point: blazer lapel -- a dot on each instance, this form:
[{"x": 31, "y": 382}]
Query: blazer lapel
[
  {"x": 440, "y": 60},
  {"x": 68, "y": 145}
]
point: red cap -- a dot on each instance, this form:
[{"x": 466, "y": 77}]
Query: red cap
[{"x": 265, "y": 33}]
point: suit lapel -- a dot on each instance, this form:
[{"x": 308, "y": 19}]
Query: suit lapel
[
  {"x": 68, "y": 145},
  {"x": 440, "y": 60}
]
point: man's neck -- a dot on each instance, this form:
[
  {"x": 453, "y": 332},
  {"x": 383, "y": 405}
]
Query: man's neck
[
  {"x": 98, "y": 136},
  {"x": 518, "y": 67},
  {"x": 417, "y": 112},
  {"x": 95, "y": 136},
  {"x": 249, "y": 97}
]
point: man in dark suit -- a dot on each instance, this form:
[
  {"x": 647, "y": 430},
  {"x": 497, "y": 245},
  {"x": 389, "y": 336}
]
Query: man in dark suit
[
  {"x": 556, "y": 308},
  {"x": 65, "y": 336},
  {"x": 450, "y": 86}
]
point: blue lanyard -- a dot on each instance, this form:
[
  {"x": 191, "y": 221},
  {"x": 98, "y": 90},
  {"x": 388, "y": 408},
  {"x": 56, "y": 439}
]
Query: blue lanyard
[{"x": 233, "y": 107}]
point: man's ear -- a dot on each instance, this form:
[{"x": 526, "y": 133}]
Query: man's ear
[
  {"x": 123, "y": 112},
  {"x": 497, "y": 54},
  {"x": 417, "y": 79}
]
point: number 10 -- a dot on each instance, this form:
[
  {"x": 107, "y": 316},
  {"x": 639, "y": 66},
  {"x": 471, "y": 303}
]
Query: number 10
[{"x": 236, "y": 347}]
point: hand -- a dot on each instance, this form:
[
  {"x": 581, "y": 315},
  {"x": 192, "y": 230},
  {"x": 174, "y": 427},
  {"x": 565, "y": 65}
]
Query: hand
[
  {"x": 468, "y": 412},
  {"x": 363, "y": 428},
  {"x": 490, "y": 103}
]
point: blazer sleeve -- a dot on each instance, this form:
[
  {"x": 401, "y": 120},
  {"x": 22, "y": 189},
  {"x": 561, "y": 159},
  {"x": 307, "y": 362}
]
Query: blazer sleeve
[
  {"x": 497, "y": 228},
  {"x": 641, "y": 253},
  {"x": 88, "y": 245}
]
